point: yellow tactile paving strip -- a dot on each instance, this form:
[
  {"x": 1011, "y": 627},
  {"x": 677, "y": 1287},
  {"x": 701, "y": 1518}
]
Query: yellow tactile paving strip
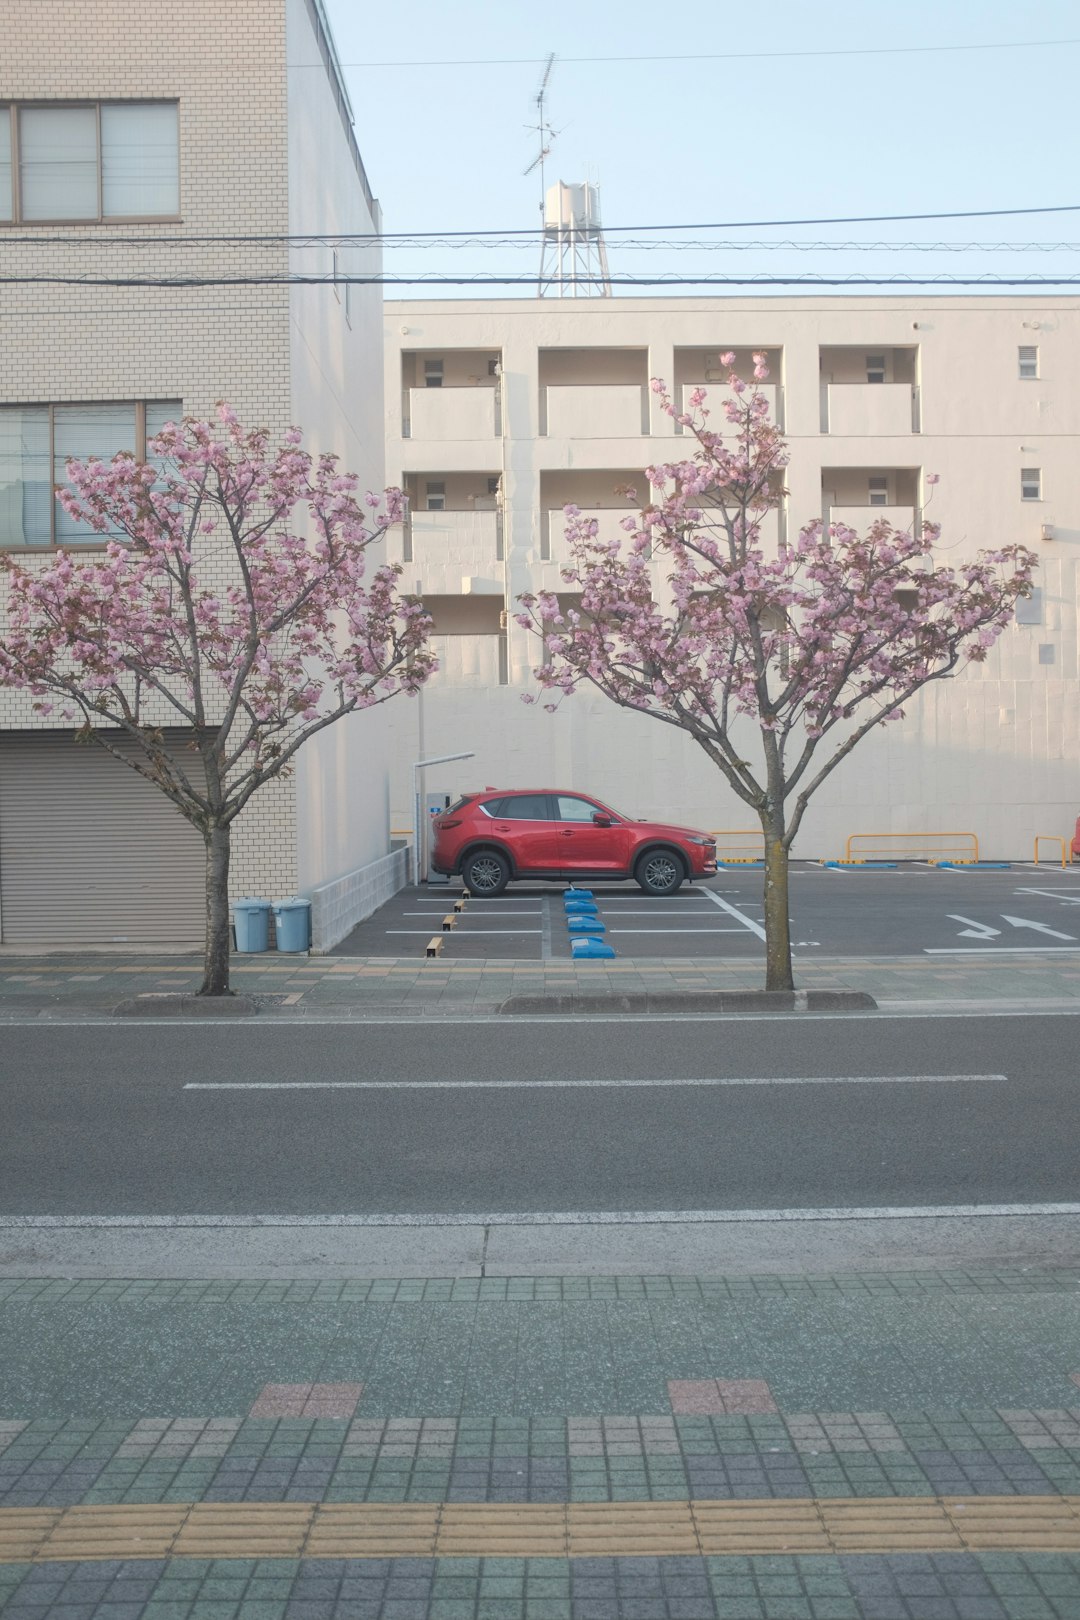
[{"x": 541, "y": 1530}]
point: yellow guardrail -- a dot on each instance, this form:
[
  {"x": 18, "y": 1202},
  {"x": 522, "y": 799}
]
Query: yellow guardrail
[
  {"x": 1051, "y": 838},
  {"x": 961, "y": 847},
  {"x": 747, "y": 844}
]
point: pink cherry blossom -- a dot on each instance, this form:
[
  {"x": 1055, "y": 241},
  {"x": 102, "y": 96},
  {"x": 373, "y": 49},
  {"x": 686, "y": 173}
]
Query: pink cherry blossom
[
  {"x": 140, "y": 635},
  {"x": 814, "y": 642}
]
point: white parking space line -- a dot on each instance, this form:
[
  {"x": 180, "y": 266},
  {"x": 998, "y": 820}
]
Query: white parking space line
[
  {"x": 574, "y": 1085},
  {"x": 710, "y": 930},
  {"x": 998, "y": 950},
  {"x": 440, "y": 911},
  {"x": 1062, "y": 896},
  {"x": 472, "y": 932},
  {"x": 733, "y": 911}
]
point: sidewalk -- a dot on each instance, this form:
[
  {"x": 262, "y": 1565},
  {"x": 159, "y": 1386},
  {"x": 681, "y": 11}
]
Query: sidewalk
[
  {"x": 89, "y": 984},
  {"x": 851, "y": 1447}
]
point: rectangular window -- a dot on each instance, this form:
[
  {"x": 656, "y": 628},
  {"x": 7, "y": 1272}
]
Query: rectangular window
[
  {"x": 435, "y": 493},
  {"x": 140, "y": 170},
  {"x": 108, "y": 160},
  {"x": 1028, "y": 355},
  {"x": 877, "y": 491},
  {"x": 1031, "y": 483},
  {"x": 36, "y": 442},
  {"x": 433, "y": 373},
  {"x": 7, "y": 202},
  {"x": 875, "y": 368}
]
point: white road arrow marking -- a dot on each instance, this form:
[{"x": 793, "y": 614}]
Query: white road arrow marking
[
  {"x": 975, "y": 930},
  {"x": 1041, "y": 928}
]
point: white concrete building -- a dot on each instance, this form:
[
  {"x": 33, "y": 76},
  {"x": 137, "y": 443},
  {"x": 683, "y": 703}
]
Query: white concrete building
[
  {"x": 500, "y": 412},
  {"x": 136, "y": 140}
]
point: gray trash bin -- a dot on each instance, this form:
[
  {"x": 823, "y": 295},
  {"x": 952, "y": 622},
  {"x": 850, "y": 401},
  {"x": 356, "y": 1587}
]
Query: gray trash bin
[
  {"x": 251, "y": 921},
  {"x": 292, "y": 924}
]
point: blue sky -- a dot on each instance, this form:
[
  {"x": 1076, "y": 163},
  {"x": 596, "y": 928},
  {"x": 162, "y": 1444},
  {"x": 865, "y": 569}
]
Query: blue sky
[{"x": 700, "y": 140}]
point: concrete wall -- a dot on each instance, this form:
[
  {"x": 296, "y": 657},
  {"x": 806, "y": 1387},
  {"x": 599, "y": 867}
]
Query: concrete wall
[
  {"x": 341, "y": 800},
  {"x": 996, "y": 750}
]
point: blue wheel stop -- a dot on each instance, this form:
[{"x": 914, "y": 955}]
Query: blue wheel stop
[
  {"x": 586, "y": 925},
  {"x": 582, "y": 908},
  {"x": 585, "y": 950}
]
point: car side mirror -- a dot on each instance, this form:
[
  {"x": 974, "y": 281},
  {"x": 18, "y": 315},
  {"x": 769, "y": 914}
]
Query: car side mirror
[{"x": 600, "y": 820}]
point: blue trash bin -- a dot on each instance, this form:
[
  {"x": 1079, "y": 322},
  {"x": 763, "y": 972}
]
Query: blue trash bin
[
  {"x": 251, "y": 922},
  {"x": 292, "y": 924}
]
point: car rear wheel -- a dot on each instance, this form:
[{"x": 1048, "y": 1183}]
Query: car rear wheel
[
  {"x": 486, "y": 873},
  {"x": 659, "y": 872}
]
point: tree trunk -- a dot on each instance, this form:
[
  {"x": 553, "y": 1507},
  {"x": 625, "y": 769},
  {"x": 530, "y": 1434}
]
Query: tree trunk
[
  {"x": 216, "y": 964},
  {"x": 778, "y": 975}
]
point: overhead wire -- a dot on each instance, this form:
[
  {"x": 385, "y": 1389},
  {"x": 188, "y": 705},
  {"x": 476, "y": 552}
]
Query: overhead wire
[
  {"x": 724, "y": 56},
  {"x": 387, "y": 238}
]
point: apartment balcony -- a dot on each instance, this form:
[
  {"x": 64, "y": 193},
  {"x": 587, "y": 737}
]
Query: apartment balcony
[
  {"x": 442, "y": 415},
  {"x": 862, "y": 517},
  {"x": 594, "y": 411},
  {"x": 719, "y": 393},
  {"x": 553, "y": 543},
  {"x": 870, "y": 410},
  {"x": 455, "y": 552}
]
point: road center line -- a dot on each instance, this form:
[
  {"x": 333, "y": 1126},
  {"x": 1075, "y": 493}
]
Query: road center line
[
  {"x": 575, "y": 1085},
  {"x": 541, "y": 1217},
  {"x": 733, "y": 911}
]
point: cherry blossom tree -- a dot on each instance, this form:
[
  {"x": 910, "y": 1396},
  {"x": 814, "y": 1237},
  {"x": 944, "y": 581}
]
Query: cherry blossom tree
[
  {"x": 233, "y": 601},
  {"x": 692, "y": 620}
]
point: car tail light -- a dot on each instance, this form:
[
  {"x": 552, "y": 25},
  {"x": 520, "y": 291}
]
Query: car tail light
[{"x": 443, "y": 825}]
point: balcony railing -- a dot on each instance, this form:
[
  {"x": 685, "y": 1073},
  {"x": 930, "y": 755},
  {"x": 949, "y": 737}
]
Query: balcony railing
[
  {"x": 861, "y": 517},
  {"x": 553, "y": 545},
  {"x": 594, "y": 411},
  {"x": 447, "y": 548},
  {"x": 441, "y": 414},
  {"x": 870, "y": 410},
  {"x": 719, "y": 392}
]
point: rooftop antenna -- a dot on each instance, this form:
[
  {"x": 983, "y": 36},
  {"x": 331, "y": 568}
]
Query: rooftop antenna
[{"x": 542, "y": 128}]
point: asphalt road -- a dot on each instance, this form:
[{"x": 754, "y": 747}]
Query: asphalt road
[
  {"x": 916, "y": 910},
  {"x": 110, "y": 1122}
]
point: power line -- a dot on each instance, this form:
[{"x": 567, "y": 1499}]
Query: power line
[
  {"x": 404, "y": 238},
  {"x": 724, "y": 56},
  {"x": 426, "y": 278}
]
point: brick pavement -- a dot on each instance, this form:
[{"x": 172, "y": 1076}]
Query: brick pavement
[
  {"x": 90, "y": 984},
  {"x": 519, "y": 1449}
]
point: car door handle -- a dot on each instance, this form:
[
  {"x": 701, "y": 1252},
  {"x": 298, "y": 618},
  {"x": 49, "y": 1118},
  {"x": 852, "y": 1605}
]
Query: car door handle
[{"x": 566, "y": 832}]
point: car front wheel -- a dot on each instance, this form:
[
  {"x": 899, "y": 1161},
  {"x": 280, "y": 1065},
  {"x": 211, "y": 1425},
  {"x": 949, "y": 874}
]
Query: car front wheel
[
  {"x": 486, "y": 873},
  {"x": 659, "y": 872}
]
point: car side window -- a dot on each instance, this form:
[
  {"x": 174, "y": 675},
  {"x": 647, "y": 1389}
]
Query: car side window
[
  {"x": 525, "y": 807},
  {"x": 571, "y": 809},
  {"x": 492, "y": 807}
]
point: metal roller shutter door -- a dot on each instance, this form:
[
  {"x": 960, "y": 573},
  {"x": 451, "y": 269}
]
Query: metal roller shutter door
[{"x": 90, "y": 853}]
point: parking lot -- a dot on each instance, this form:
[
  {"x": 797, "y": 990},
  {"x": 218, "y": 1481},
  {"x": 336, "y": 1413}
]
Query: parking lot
[{"x": 914, "y": 910}]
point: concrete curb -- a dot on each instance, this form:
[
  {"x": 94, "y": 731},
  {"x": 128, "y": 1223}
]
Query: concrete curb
[
  {"x": 691, "y": 1001},
  {"x": 161, "y": 1005}
]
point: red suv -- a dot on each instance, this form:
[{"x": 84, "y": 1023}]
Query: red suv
[{"x": 494, "y": 837}]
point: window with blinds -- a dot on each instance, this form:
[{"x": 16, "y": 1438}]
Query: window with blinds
[
  {"x": 105, "y": 160},
  {"x": 36, "y": 443}
]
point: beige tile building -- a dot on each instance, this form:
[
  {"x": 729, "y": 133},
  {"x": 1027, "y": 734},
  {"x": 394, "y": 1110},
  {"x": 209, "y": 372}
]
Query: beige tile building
[
  {"x": 500, "y": 412},
  {"x": 134, "y": 142}
]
